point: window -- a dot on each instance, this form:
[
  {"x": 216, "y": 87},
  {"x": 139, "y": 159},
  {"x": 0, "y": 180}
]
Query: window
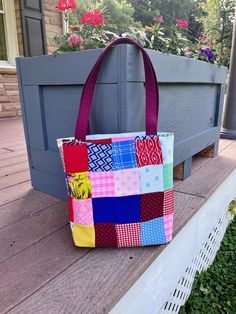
[{"x": 8, "y": 34}]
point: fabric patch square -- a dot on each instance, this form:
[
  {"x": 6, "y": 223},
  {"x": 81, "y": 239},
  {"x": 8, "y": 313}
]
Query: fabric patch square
[
  {"x": 83, "y": 211},
  {"x": 153, "y": 232},
  {"x": 75, "y": 158},
  {"x": 104, "y": 209},
  {"x": 102, "y": 183},
  {"x": 128, "y": 209},
  {"x": 80, "y": 185},
  {"x": 105, "y": 235},
  {"x": 152, "y": 206},
  {"x": 100, "y": 157},
  {"x": 167, "y": 147},
  {"x": 151, "y": 179},
  {"x": 127, "y": 182},
  {"x": 168, "y": 202},
  {"x": 148, "y": 152},
  {"x": 168, "y": 176},
  {"x": 83, "y": 236},
  {"x": 123, "y": 155},
  {"x": 121, "y": 139},
  {"x": 128, "y": 235},
  {"x": 168, "y": 225},
  {"x": 70, "y": 207}
]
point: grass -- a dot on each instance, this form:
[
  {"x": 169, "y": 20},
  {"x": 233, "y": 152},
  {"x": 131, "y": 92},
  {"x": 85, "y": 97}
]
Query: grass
[{"x": 214, "y": 291}]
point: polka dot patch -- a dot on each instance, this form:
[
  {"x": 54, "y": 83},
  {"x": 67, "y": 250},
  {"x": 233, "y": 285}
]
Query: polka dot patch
[
  {"x": 168, "y": 202},
  {"x": 105, "y": 234},
  {"x": 152, "y": 206},
  {"x": 153, "y": 232}
]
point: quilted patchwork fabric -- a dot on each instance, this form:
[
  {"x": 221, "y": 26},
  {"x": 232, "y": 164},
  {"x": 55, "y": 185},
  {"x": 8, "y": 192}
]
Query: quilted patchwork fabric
[
  {"x": 128, "y": 235},
  {"x": 100, "y": 157},
  {"x": 75, "y": 158},
  {"x": 120, "y": 189},
  {"x": 103, "y": 184},
  {"x": 168, "y": 176},
  {"x": 168, "y": 225},
  {"x": 83, "y": 211},
  {"x": 84, "y": 236},
  {"x": 148, "y": 152},
  {"x": 79, "y": 184},
  {"x": 152, "y": 206},
  {"x": 127, "y": 182},
  {"x": 168, "y": 202},
  {"x": 153, "y": 232},
  {"x": 123, "y": 155},
  {"x": 151, "y": 179},
  {"x": 105, "y": 234}
]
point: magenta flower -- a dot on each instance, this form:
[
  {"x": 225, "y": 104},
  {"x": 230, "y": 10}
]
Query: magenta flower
[
  {"x": 182, "y": 23},
  {"x": 158, "y": 19},
  {"x": 75, "y": 41}
]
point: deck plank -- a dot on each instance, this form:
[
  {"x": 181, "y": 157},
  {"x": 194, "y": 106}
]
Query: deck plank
[
  {"x": 15, "y": 192},
  {"x": 10, "y": 154},
  {"x": 18, "y": 236},
  {"x": 204, "y": 181},
  {"x": 92, "y": 282},
  {"x": 14, "y": 179},
  {"x": 34, "y": 267},
  {"x": 19, "y": 209},
  {"x": 12, "y": 169},
  {"x": 13, "y": 161}
]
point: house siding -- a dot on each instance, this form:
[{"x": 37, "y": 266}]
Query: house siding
[{"x": 9, "y": 93}]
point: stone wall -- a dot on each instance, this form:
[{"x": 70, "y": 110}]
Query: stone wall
[{"x": 9, "y": 94}]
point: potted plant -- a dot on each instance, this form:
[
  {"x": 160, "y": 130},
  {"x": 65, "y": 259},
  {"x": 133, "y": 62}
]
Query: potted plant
[{"x": 191, "y": 91}]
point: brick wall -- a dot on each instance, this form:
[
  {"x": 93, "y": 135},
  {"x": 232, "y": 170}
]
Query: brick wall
[
  {"x": 9, "y": 94},
  {"x": 53, "y": 23}
]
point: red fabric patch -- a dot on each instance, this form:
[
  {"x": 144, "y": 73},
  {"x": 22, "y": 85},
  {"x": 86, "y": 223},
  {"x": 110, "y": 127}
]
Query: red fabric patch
[
  {"x": 102, "y": 141},
  {"x": 105, "y": 235},
  {"x": 75, "y": 158},
  {"x": 152, "y": 206},
  {"x": 168, "y": 202},
  {"x": 128, "y": 235},
  {"x": 70, "y": 207},
  {"x": 148, "y": 152}
]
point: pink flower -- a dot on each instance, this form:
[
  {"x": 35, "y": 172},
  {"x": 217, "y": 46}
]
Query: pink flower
[
  {"x": 75, "y": 41},
  {"x": 182, "y": 23},
  {"x": 158, "y": 19},
  {"x": 203, "y": 36},
  {"x": 93, "y": 18},
  {"x": 65, "y": 5}
]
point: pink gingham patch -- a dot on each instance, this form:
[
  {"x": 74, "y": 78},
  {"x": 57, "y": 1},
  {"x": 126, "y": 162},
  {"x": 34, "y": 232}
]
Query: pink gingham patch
[
  {"x": 127, "y": 182},
  {"x": 128, "y": 235},
  {"x": 168, "y": 226},
  {"x": 83, "y": 211},
  {"x": 102, "y": 183}
]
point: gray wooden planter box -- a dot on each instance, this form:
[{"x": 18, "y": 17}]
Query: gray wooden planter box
[{"x": 191, "y": 101}]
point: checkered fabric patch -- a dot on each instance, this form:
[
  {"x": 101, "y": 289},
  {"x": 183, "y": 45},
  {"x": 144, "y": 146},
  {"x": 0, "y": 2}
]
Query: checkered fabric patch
[
  {"x": 102, "y": 183},
  {"x": 123, "y": 155},
  {"x": 128, "y": 235},
  {"x": 168, "y": 202}
]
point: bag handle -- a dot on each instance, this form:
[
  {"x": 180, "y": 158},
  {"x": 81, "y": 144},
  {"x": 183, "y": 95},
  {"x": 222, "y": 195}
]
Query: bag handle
[{"x": 152, "y": 95}]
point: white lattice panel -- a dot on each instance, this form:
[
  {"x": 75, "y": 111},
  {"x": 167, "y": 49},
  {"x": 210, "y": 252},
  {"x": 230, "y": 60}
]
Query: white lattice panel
[{"x": 200, "y": 262}]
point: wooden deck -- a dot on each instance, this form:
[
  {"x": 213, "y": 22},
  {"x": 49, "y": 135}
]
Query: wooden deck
[{"x": 40, "y": 269}]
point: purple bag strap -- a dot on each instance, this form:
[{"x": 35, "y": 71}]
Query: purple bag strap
[{"x": 152, "y": 96}]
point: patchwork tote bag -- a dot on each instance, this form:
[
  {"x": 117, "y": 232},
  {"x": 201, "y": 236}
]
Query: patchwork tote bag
[{"x": 120, "y": 186}]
